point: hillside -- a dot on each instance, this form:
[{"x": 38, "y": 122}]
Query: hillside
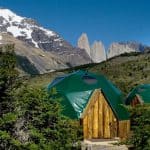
[
  {"x": 125, "y": 71},
  {"x": 33, "y": 60}
]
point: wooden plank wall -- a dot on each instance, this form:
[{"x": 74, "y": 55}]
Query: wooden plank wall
[
  {"x": 99, "y": 120},
  {"x": 124, "y": 129},
  {"x": 135, "y": 101}
]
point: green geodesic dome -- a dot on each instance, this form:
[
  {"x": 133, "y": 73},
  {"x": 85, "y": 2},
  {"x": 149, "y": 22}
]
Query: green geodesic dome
[
  {"x": 76, "y": 89},
  {"x": 143, "y": 91}
]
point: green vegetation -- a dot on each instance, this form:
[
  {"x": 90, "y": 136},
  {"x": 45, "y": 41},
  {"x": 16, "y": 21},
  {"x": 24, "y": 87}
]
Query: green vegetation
[
  {"x": 29, "y": 118},
  {"x": 7, "y": 78},
  {"x": 124, "y": 71},
  {"x": 140, "y": 126}
]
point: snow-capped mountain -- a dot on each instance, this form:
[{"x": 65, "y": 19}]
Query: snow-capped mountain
[{"x": 29, "y": 31}]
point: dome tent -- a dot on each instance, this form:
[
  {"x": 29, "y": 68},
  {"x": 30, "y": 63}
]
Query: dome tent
[
  {"x": 139, "y": 95},
  {"x": 76, "y": 89},
  {"x": 96, "y": 101}
]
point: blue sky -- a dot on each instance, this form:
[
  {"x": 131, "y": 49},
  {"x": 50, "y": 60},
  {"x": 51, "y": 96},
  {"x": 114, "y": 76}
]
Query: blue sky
[{"x": 105, "y": 20}]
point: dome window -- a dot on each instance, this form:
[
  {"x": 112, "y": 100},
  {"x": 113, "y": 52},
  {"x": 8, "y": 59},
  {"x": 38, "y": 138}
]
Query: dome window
[{"x": 89, "y": 79}]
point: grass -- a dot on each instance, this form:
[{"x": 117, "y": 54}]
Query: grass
[{"x": 124, "y": 71}]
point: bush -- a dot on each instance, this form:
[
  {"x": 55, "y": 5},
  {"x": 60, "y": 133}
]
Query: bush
[
  {"x": 47, "y": 128},
  {"x": 140, "y": 127}
]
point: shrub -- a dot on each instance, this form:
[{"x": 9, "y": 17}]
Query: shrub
[{"x": 140, "y": 126}]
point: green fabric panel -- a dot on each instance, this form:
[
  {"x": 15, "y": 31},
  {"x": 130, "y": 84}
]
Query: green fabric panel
[
  {"x": 78, "y": 86},
  {"x": 142, "y": 90},
  {"x": 68, "y": 110},
  {"x": 78, "y": 100}
]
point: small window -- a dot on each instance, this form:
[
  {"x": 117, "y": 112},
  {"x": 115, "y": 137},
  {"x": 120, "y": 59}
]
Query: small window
[
  {"x": 141, "y": 89},
  {"x": 89, "y": 79}
]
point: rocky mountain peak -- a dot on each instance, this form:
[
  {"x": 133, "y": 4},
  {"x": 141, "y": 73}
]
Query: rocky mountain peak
[
  {"x": 98, "y": 53},
  {"x": 9, "y": 15},
  {"x": 116, "y": 49},
  {"x": 30, "y": 32},
  {"x": 83, "y": 43},
  {"x": 24, "y": 28},
  {"x": 134, "y": 45}
]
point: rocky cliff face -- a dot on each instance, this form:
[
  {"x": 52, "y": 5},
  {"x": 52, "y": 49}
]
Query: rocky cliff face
[
  {"x": 32, "y": 60},
  {"x": 96, "y": 51},
  {"x": 116, "y": 49},
  {"x": 30, "y": 32},
  {"x": 1, "y": 39},
  {"x": 83, "y": 43},
  {"x": 134, "y": 45}
]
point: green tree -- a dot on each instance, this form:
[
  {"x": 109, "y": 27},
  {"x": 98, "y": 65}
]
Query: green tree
[
  {"x": 8, "y": 76},
  {"x": 29, "y": 117},
  {"x": 45, "y": 126}
]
